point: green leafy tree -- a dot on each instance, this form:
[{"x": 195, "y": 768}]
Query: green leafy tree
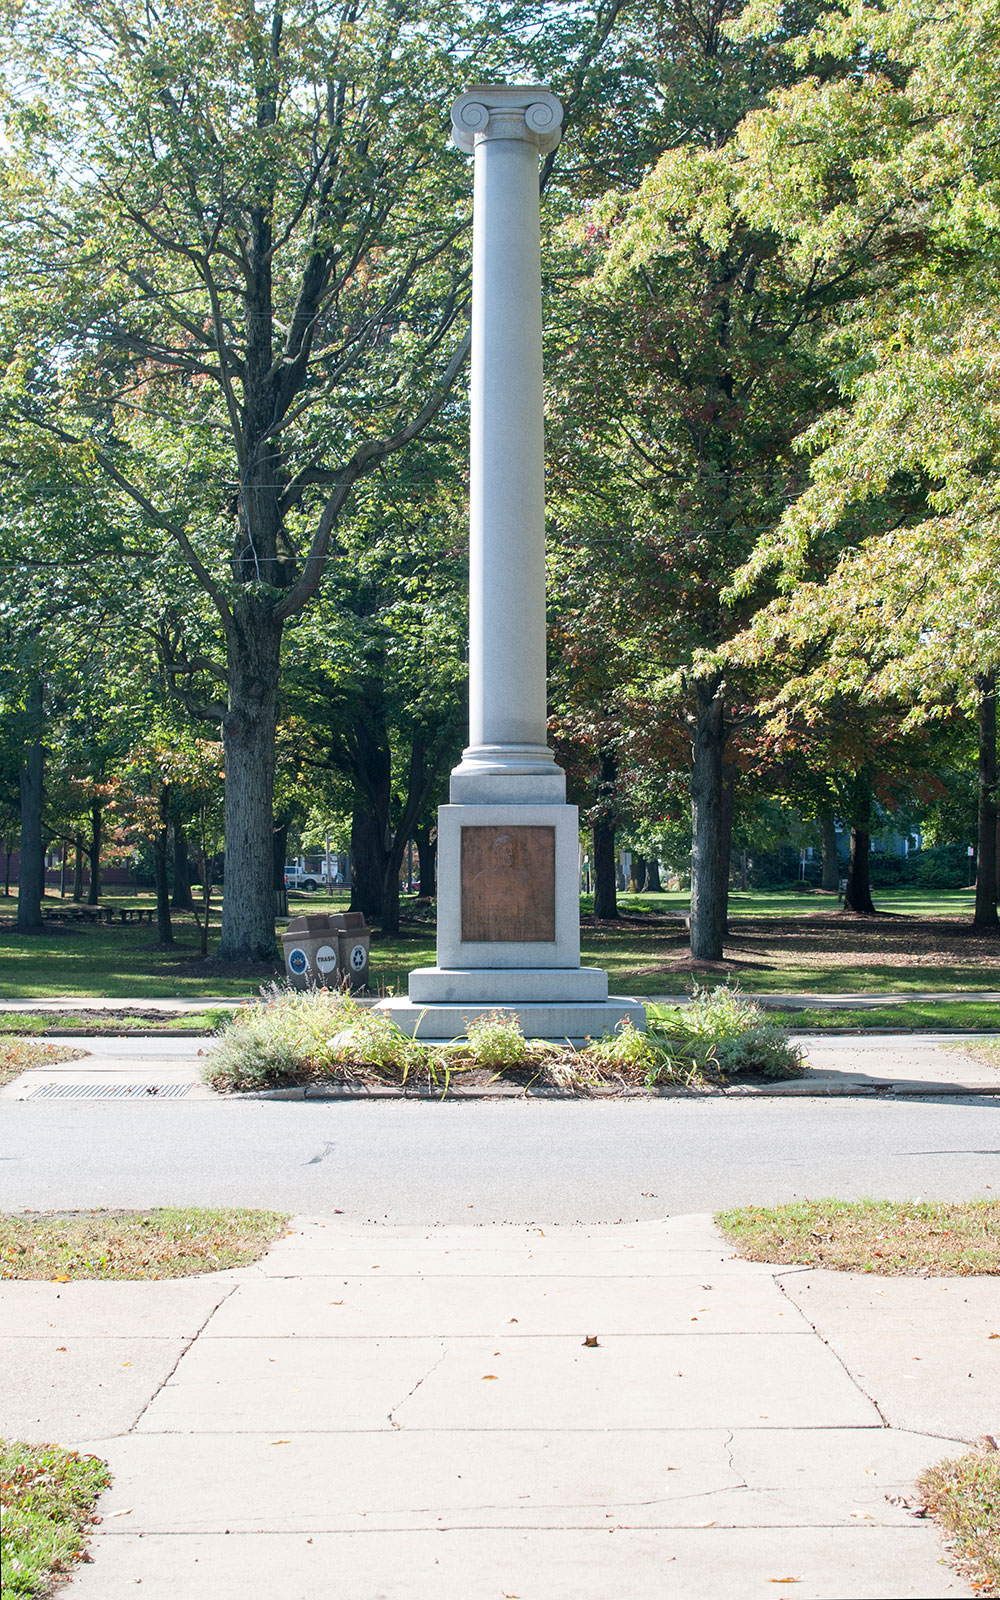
[
  {"x": 235, "y": 260},
  {"x": 695, "y": 360}
]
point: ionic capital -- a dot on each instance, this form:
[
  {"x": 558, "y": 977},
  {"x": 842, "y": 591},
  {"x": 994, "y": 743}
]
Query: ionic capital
[{"x": 506, "y": 111}]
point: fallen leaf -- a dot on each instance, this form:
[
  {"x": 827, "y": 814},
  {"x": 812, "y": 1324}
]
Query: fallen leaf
[
  {"x": 784, "y": 1580},
  {"x": 60, "y": 1279},
  {"x": 281, "y": 1441},
  {"x": 336, "y": 1302},
  {"x": 60, "y": 1347},
  {"x": 488, "y": 1375},
  {"x": 126, "y": 1363},
  {"x": 709, "y": 1524},
  {"x": 995, "y": 1335},
  {"x": 125, "y": 1512},
  {"x": 590, "y": 1342}
]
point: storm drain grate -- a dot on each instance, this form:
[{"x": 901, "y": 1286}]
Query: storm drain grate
[{"x": 110, "y": 1091}]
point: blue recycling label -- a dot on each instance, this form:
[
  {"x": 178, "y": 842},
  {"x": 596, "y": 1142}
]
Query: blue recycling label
[{"x": 297, "y": 961}]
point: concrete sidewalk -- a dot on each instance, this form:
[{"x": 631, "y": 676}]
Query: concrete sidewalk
[{"x": 392, "y": 1413}]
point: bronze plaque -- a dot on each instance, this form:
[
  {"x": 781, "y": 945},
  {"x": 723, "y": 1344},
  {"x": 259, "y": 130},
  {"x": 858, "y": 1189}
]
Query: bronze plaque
[{"x": 509, "y": 884}]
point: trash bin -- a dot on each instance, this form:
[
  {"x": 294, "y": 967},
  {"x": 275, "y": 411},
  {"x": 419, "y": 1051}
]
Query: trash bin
[
  {"x": 327, "y": 951},
  {"x": 354, "y": 949}
]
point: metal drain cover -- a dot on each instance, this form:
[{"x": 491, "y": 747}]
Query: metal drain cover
[{"x": 110, "y": 1091}]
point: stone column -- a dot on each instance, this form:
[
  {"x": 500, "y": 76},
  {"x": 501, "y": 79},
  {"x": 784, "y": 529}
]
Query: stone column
[
  {"x": 506, "y": 128},
  {"x": 508, "y": 923}
]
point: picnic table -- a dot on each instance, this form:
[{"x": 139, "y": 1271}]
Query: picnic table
[
  {"x": 105, "y": 914},
  {"x": 77, "y": 913}
]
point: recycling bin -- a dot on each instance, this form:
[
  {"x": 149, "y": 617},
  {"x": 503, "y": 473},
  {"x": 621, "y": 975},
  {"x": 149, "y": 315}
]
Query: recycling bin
[
  {"x": 330, "y": 951},
  {"x": 354, "y": 950}
]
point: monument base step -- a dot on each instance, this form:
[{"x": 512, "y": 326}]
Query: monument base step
[
  {"x": 575, "y": 1021},
  {"x": 507, "y": 985}
]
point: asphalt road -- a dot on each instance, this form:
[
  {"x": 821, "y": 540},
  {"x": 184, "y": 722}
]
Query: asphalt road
[{"x": 486, "y": 1162}]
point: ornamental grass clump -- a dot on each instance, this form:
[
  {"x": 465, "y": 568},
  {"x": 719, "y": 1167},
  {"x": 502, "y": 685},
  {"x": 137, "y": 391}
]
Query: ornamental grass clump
[
  {"x": 649, "y": 1058},
  {"x": 275, "y": 1040},
  {"x": 369, "y": 1041},
  {"x": 728, "y": 1033}
]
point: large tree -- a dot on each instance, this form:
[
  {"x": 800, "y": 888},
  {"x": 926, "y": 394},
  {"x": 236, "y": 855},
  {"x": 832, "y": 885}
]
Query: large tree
[
  {"x": 239, "y": 241},
  {"x": 236, "y": 238}
]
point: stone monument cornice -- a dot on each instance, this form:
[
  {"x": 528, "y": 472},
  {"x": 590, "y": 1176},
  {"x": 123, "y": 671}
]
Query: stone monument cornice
[{"x": 489, "y": 111}]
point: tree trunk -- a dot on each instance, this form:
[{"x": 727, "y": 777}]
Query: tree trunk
[
  {"x": 858, "y": 894},
  {"x": 828, "y": 847},
  {"x": 389, "y": 920},
  {"x": 96, "y": 830},
  {"x": 181, "y": 898},
  {"x": 248, "y": 734},
  {"x": 8, "y": 852},
  {"x": 78, "y": 852},
  {"x": 371, "y": 833},
  {"x": 653, "y": 884},
  {"x": 711, "y": 828},
  {"x": 279, "y": 848},
  {"x": 164, "y": 931},
  {"x": 367, "y": 853},
  {"x": 426, "y": 859},
  {"x": 637, "y": 874},
  {"x": 31, "y": 877},
  {"x": 985, "y": 914},
  {"x": 605, "y": 823}
]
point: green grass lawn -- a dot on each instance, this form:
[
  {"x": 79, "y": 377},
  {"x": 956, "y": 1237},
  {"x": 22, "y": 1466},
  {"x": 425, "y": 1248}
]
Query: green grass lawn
[
  {"x": 49, "y": 1496},
  {"x": 18, "y": 1055},
  {"x": 896, "y": 1238},
  {"x": 91, "y": 959},
  {"x": 779, "y": 941},
  {"x": 172, "y": 1242},
  {"x": 115, "y": 1023},
  {"x": 957, "y": 1016}
]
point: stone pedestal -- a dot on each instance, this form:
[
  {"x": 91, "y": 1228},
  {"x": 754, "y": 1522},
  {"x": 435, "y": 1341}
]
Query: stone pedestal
[{"x": 508, "y": 876}]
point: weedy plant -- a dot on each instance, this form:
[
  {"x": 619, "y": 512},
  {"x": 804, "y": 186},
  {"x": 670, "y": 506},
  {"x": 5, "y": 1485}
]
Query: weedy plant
[
  {"x": 727, "y": 1032},
  {"x": 650, "y": 1058},
  {"x": 495, "y": 1041},
  {"x": 271, "y": 1041},
  {"x": 292, "y": 1036},
  {"x": 367, "y": 1039}
]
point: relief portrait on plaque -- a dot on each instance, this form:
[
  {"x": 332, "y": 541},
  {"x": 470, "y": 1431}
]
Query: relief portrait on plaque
[{"x": 509, "y": 884}]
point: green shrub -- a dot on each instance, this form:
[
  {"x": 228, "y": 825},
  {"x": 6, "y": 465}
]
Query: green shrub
[
  {"x": 943, "y": 866},
  {"x": 271, "y": 1041},
  {"x": 495, "y": 1041},
  {"x": 726, "y": 1030}
]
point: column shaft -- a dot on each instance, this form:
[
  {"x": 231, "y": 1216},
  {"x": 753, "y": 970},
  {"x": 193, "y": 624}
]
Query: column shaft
[{"x": 507, "y": 485}]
